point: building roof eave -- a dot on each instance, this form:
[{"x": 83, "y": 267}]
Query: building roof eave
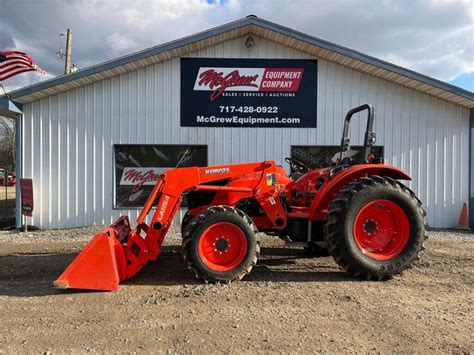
[{"x": 9, "y": 108}]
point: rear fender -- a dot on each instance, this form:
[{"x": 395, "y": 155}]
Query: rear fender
[{"x": 324, "y": 197}]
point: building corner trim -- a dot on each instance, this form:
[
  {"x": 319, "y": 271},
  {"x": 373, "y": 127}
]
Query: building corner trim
[{"x": 471, "y": 173}]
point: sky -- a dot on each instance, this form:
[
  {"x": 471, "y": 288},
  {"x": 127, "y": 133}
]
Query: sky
[{"x": 435, "y": 38}]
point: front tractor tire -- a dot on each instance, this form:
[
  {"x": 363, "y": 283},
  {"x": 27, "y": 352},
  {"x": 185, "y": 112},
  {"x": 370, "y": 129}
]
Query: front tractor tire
[
  {"x": 184, "y": 223},
  {"x": 220, "y": 244},
  {"x": 375, "y": 228}
]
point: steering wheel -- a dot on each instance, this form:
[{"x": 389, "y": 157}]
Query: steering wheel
[{"x": 297, "y": 166}]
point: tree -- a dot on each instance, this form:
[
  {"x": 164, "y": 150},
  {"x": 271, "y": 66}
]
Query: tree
[{"x": 7, "y": 143}]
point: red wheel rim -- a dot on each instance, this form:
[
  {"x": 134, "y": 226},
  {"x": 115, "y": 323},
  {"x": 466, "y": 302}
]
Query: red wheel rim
[
  {"x": 222, "y": 246},
  {"x": 381, "y": 229}
]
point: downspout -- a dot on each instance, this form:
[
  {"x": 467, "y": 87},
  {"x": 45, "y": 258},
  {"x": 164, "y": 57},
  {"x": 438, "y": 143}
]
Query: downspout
[{"x": 18, "y": 166}]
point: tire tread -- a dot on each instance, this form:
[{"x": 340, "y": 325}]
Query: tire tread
[
  {"x": 189, "y": 232},
  {"x": 336, "y": 210}
]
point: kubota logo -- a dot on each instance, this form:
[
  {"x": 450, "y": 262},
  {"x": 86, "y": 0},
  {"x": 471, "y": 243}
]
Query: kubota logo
[
  {"x": 219, "y": 80},
  {"x": 217, "y": 171},
  {"x": 163, "y": 207}
]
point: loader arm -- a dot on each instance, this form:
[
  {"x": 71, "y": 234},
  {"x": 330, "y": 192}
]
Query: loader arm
[{"x": 120, "y": 252}]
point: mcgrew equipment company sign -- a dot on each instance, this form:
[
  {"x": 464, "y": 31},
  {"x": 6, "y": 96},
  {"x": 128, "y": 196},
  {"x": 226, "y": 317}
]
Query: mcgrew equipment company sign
[{"x": 248, "y": 92}]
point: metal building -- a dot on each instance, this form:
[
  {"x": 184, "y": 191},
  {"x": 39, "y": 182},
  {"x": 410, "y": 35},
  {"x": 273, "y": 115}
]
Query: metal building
[{"x": 76, "y": 132}]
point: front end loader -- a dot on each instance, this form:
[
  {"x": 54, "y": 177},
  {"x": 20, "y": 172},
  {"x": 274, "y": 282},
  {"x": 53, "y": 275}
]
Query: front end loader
[{"x": 361, "y": 213}]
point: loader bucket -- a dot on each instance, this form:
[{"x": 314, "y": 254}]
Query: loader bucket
[{"x": 100, "y": 265}]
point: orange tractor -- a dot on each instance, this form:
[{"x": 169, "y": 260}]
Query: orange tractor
[{"x": 372, "y": 224}]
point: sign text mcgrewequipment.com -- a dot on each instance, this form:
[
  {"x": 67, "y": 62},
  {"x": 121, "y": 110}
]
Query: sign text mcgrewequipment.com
[{"x": 248, "y": 92}]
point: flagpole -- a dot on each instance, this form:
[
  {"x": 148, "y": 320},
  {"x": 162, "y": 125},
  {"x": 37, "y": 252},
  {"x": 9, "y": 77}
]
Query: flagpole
[{"x": 5, "y": 91}]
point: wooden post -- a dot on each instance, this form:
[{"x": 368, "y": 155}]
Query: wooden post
[{"x": 67, "y": 66}]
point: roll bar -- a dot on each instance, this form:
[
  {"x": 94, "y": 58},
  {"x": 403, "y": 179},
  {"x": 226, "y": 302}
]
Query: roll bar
[{"x": 369, "y": 139}]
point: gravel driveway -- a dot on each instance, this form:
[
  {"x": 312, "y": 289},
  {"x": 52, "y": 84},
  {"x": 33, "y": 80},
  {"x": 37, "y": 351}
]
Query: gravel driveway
[{"x": 291, "y": 302}]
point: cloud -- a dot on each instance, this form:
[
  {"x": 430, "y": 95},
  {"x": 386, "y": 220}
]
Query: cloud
[
  {"x": 451, "y": 55},
  {"x": 121, "y": 44},
  {"x": 432, "y": 37}
]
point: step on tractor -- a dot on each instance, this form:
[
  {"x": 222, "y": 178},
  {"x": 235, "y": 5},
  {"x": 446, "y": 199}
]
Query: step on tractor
[{"x": 359, "y": 212}]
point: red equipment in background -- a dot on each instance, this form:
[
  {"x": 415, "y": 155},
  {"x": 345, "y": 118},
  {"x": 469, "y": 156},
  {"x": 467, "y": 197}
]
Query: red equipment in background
[
  {"x": 11, "y": 180},
  {"x": 372, "y": 224}
]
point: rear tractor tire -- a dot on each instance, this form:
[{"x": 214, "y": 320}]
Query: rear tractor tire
[
  {"x": 220, "y": 244},
  {"x": 375, "y": 228}
]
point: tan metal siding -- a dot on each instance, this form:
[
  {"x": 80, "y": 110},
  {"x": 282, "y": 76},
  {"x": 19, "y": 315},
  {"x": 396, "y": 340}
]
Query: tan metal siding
[{"x": 68, "y": 137}]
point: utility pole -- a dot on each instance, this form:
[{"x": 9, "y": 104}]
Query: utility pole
[{"x": 67, "y": 67}]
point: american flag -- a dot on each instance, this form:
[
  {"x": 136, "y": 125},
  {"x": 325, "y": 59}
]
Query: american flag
[{"x": 13, "y": 63}]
